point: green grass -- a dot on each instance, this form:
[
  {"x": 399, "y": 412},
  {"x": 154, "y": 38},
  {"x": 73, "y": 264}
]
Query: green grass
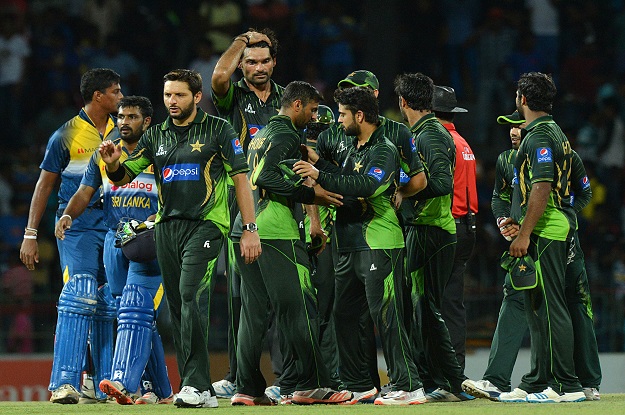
[{"x": 610, "y": 404}]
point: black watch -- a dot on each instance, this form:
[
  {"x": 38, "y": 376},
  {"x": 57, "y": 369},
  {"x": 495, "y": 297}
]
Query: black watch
[{"x": 250, "y": 227}]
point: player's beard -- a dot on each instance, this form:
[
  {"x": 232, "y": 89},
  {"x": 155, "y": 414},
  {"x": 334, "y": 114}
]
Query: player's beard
[
  {"x": 133, "y": 137},
  {"x": 353, "y": 129},
  {"x": 184, "y": 112},
  {"x": 403, "y": 114},
  {"x": 519, "y": 108}
]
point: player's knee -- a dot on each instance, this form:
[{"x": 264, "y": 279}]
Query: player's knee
[{"x": 79, "y": 295}]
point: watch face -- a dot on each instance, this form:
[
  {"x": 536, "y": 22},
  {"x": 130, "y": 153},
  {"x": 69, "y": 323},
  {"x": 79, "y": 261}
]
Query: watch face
[{"x": 252, "y": 227}]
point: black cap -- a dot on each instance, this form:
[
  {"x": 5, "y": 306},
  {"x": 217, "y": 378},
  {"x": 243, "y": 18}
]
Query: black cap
[
  {"x": 445, "y": 100},
  {"x": 514, "y": 118},
  {"x": 360, "y": 78},
  {"x": 522, "y": 271}
]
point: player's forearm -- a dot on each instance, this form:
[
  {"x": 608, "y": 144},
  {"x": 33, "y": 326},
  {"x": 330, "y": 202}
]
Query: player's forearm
[
  {"x": 417, "y": 183},
  {"x": 119, "y": 176},
  {"x": 79, "y": 202},
  {"x": 39, "y": 201},
  {"x": 245, "y": 200},
  {"x": 226, "y": 66}
]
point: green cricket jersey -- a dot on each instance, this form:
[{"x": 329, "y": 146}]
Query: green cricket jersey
[
  {"x": 367, "y": 219},
  {"x": 332, "y": 145},
  {"x": 247, "y": 114},
  {"x": 545, "y": 155},
  {"x": 504, "y": 176},
  {"x": 274, "y": 197},
  {"x": 190, "y": 166},
  {"x": 436, "y": 148}
]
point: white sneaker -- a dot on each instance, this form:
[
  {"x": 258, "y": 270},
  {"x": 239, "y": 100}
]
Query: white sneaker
[
  {"x": 551, "y": 396},
  {"x": 361, "y": 396},
  {"x": 402, "y": 398},
  {"x": 190, "y": 397},
  {"x": 517, "y": 395},
  {"x": 592, "y": 394},
  {"x": 87, "y": 391},
  {"x": 273, "y": 392},
  {"x": 481, "y": 389},
  {"x": 65, "y": 394},
  {"x": 225, "y": 389}
]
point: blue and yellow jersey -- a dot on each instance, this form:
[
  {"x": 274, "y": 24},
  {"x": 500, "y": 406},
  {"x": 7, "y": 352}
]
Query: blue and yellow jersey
[
  {"x": 69, "y": 150},
  {"x": 137, "y": 199}
]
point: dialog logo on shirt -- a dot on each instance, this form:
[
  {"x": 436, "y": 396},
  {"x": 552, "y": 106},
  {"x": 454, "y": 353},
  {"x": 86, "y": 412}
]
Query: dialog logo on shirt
[
  {"x": 253, "y": 129},
  {"x": 377, "y": 173},
  {"x": 236, "y": 145},
  {"x": 179, "y": 172},
  {"x": 543, "y": 155},
  {"x": 585, "y": 182}
]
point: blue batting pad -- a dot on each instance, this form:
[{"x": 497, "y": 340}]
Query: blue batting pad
[
  {"x": 102, "y": 334},
  {"x": 134, "y": 336},
  {"x": 156, "y": 370},
  {"x": 77, "y": 304}
]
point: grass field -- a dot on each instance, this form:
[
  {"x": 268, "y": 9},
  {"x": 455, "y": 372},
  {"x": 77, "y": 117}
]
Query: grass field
[{"x": 610, "y": 404}]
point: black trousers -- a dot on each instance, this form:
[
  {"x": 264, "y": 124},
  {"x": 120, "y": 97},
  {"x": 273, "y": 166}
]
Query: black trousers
[{"x": 453, "y": 310}]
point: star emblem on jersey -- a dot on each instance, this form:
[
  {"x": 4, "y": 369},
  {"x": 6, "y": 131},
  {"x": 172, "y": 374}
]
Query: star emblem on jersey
[
  {"x": 197, "y": 146},
  {"x": 358, "y": 166},
  {"x": 522, "y": 268}
]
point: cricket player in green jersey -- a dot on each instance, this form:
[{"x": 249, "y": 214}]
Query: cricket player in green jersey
[
  {"x": 370, "y": 265},
  {"x": 332, "y": 145},
  {"x": 542, "y": 206},
  {"x": 192, "y": 153},
  {"x": 431, "y": 237},
  {"x": 512, "y": 323},
  {"x": 280, "y": 279},
  {"x": 248, "y": 105}
]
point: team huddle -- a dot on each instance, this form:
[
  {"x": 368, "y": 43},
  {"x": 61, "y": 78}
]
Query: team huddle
[{"x": 333, "y": 228}]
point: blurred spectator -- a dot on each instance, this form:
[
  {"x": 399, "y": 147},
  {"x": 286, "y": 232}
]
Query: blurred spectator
[
  {"x": 204, "y": 63},
  {"x": 544, "y": 24},
  {"x": 337, "y": 32},
  {"x": 14, "y": 51},
  {"x": 221, "y": 20},
  {"x": 526, "y": 57},
  {"x": 121, "y": 61},
  {"x": 6, "y": 190},
  {"x": 104, "y": 15},
  {"x": 493, "y": 55},
  {"x": 17, "y": 285},
  {"x": 611, "y": 151},
  {"x": 55, "y": 113}
]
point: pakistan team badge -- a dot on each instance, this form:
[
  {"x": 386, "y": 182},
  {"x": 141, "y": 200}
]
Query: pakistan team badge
[{"x": 197, "y": 146}]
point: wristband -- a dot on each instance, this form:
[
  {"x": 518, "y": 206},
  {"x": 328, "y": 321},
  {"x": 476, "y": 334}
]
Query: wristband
[
  {"x": 70, "y": 218},
  {"x": 117, "y": 175},
  {"x": 33, "y": 230},
  {"x": 30, "y": 237},
  {"x": 246, "y": 42}
]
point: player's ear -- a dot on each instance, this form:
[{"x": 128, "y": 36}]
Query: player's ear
[{"x": 198, "y": 97}]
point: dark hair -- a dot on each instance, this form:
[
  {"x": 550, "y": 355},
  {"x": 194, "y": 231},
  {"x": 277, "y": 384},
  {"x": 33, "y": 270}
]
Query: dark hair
[
  {"x": 446, "y": 116},
  {"x": 417, "y": 89},
  {"x": 143, "y": 103},
  {"x": 359, "y": 98},
  {"x": 300, "y": 90},
  {"x": 191, "y": 77},
  {"x": 539, "y": 91},
  {"x": 97, "y": 79},
  {"x": 273, "y": 49}
]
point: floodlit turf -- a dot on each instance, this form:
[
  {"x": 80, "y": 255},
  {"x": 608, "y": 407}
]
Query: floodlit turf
[{"x": 610, "y": 404}]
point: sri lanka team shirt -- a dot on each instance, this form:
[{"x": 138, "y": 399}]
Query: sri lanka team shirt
[
  {"x": 69, "y": 150},
  {"x": 135, "y": 200}
]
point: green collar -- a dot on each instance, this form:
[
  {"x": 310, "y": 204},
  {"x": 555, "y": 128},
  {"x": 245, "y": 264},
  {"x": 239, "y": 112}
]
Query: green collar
[
  {"x": 199, "y": 118},
  {"x": 539, "y": 120},
  {"x": 422, "y": 121}
]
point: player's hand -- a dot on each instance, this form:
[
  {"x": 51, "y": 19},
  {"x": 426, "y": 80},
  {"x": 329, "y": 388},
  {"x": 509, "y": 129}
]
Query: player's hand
[
  {"x": 305, "y": 169},
  {"x": 318, "y": 232},
  {"x": 29, "y": 253},
  {"x": 325, "y": 198},
  {"x": 63, "y": 224},
  {"x": 110, "y": 154},
  {"x": 518, "y": 247},
  {"x": 398, "y": 197},
  {"x": 256, "y": 37},
  {"x": 508, "y": 228},
  {"x": 313, "y": 157},
  {"x": 250, "y": 246}
]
